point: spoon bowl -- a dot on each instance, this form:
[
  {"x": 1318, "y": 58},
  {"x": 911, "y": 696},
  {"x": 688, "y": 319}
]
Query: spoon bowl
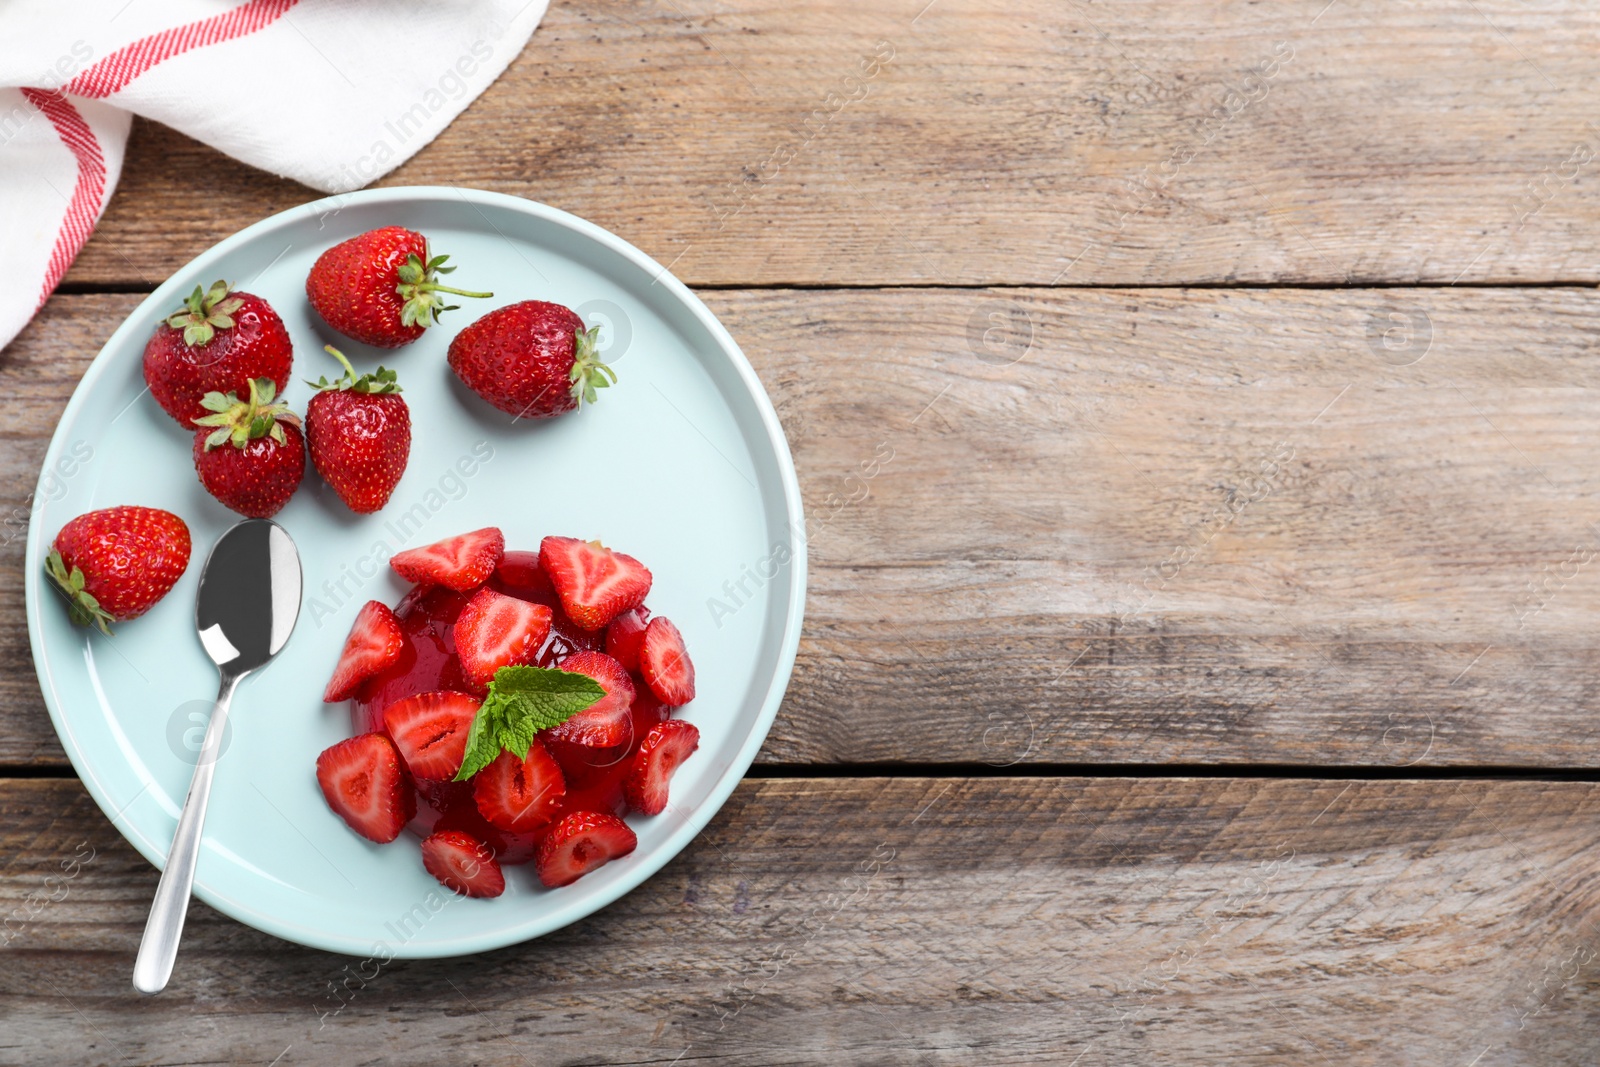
[{"x": 249, "y": 596}]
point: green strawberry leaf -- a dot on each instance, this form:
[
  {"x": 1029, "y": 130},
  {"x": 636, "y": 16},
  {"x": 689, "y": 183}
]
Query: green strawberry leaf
[
  {"x": 243, "y": 421},
  {"x": 419, "y": 288},
  {"x": 588, "y": 373},
  {"x": 204, "y": 313},
  {"x": 378, "y": 383},
  {"x": 522, "y": 701},
  {"x": 82, "y": 607}
]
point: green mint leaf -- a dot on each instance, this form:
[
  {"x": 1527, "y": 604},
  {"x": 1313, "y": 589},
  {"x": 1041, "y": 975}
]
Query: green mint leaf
[
  {"x": 547, "y": 696},
  {"x": 522, "y": 701},
  {"x": 517, "y": 737},
  {"x": 482, "y": 746}
]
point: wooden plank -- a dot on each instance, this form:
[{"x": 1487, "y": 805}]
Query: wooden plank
[
  {"x": 905, "y": 921},
  {"x": 1185, "y": 526},
  {"x": 758, "y": 143}
]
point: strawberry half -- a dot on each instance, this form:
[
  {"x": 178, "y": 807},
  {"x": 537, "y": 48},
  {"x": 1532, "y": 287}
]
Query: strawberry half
[
  {"x": 594, "y": 583},
  {"x": 494, "y": 631},
  {"x": 581, "y": 842},
  {"x": 463, "y": 863},
  {"x": 430, "y": 730},
  {"x": 664, "y": 662},
  {"x": 366, "y": 786},
  {"x": 374, "y": 645},
  {"x": 520, "y": 794},
  {"x": 666, "y": 746},
  {"x": 462, "y": 562},
  {"x": 625, "y": 637},
  {"x": 608, "y": 721}
]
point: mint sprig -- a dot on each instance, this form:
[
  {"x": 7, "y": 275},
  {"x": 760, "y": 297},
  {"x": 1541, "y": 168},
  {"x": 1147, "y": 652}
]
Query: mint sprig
[{"x": 521, "y": 702}]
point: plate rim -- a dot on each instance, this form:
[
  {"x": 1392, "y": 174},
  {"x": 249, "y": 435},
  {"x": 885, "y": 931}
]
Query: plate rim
[{"x": 580, "y": 907}]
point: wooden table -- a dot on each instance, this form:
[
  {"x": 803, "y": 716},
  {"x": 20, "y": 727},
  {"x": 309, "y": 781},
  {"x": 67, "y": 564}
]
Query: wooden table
[{"x": 1207, "y": 676}]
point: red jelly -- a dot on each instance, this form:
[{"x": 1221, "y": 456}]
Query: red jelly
[{"x": 428, "y": 662}]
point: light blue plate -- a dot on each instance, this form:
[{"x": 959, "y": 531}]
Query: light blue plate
[{"x": 682, "y": 464}]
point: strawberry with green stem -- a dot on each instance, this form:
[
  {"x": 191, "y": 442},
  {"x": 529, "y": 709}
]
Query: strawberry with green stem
[
  {"x": 116, "y": 563},
  {"x": 250, "y": 454},
  {"x": 359, "y": 432},
  {"x": 381, "y": 287},
  {"x": 218, "y": 342},
  {"x": 532, "y": 360}
]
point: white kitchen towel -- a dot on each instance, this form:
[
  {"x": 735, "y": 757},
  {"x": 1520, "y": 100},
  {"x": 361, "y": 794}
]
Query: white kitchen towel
[{"x": 332, "y": 93}]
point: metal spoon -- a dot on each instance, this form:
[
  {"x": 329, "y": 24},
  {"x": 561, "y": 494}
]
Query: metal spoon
[{"x": 247, "y": 606}]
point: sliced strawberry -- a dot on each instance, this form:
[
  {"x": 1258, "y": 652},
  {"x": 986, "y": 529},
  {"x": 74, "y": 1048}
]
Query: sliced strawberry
[
  {"x": 520, "y": 795},
  {"x": 462, "y": 562},
  {"x": 430, "y": 730},
  {"x": 625, "y": 636},
  {"x": 666, "y": 746},
  {"x": 463, "y": 863},
  {"x": 374, "y": 645},
  {"x": 494, "y": 631},
  {"x": 579, "y": 843},
  {"x": 366, "y": 786},
  {"x": 607, "y": 721},
  {"x": 594, "y": 583},
  {"x": 664, "y": 662}
]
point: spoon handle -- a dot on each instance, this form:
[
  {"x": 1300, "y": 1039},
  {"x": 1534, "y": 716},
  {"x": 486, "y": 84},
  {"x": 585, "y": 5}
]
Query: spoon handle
[{"x": 159, "y": 946}]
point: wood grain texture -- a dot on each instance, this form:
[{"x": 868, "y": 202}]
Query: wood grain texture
[
  {"x": 913, "y": 921},
  {"x": 1184, "y": 526},
  {"x": 1142, "y": 143}
]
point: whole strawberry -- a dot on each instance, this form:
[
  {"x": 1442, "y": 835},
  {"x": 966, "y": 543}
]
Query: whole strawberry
[
  {"x": 531, "y": 360},
  {"x": 359, "y": 432},
  {"x": 250, "y": 454},
  {"x": 114, "y": 564},
  {"x": 379, "y": 287},
  {"x": 219, "y": 342}
]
